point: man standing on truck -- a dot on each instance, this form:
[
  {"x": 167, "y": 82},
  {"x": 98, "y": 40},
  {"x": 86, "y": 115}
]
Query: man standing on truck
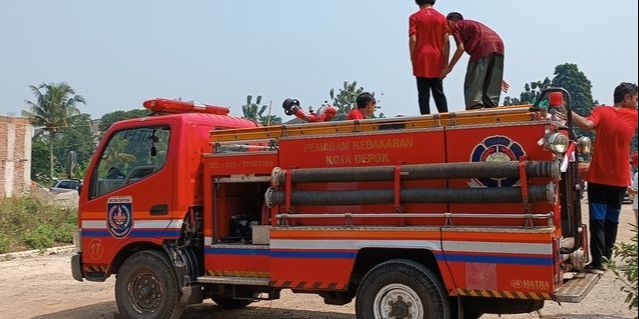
[
  {"x": 429, "y": 53},
  {"x": 609, "y": 174},
  {"x": 365, "y": 107},
  {"x": 484, "y": 77}
]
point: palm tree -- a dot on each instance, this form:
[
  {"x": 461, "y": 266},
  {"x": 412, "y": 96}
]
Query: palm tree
[{"x": 54, "y": 108}]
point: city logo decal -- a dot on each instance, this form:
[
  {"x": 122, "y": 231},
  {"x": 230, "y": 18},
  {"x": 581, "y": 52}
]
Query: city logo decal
[
  {"x": 120, "y": 216},
  {"x": 496, "y": 148}
]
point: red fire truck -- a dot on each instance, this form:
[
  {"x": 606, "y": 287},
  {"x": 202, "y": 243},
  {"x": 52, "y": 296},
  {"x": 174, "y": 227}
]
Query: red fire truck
[{"x": 439, "y": 216}]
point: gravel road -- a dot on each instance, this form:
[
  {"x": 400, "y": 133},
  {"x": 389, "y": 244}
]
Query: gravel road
[{"x": 41, "y": 287}]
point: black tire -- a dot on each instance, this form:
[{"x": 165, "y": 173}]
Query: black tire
[
  {"x": 230, "y": 303},
  {"x": 146, "y": 287},
  {"x": 407, "y": 280}
]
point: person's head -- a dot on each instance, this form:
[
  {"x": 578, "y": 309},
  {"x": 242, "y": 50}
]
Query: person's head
[
  {"x": 626, "y": 95},
  {"x": 366, "y": 103},
  {"x": 423, "y": 3},
  {"x": 453, "y": 18}
]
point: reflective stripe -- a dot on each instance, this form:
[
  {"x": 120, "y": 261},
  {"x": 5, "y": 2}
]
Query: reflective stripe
[
  {"x": 352, "y": 244},
  {"x": 137, "y": 224},
  {"x": 449, "y": 246},
  {"x": 505, "y": 248}
]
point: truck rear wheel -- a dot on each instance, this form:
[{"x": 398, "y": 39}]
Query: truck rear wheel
[
  {"x": 401, "y": 289},
  {"x": 147, "y": 287}
]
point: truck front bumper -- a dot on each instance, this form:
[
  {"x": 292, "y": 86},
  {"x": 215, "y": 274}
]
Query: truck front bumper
[{"x": 76, "y": 267}]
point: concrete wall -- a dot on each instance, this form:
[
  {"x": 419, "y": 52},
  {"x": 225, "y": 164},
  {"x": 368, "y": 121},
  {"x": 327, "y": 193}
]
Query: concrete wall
[{"x": 15, "y": 156}]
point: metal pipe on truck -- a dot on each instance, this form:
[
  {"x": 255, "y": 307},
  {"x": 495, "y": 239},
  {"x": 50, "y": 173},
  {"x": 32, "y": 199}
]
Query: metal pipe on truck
[{"x": 418, "y": 172}]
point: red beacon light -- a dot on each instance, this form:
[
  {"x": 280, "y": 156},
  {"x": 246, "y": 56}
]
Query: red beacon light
[
  {"x": 556, "y": 99},
  {"x": 176, "y": 107}
]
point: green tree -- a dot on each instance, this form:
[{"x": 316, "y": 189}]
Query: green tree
[
  {"x": 109, "y": 119},
  {"x": 76, "y": 137},
  {"x": 346, "y": 99},
  {"x": 569, "y": 77},
  {"x": 55, "y": 106},
  {"x": 531, "y": 92},
  {"x": 40, "y": 165},
  {"x": 255, "y": 112}
]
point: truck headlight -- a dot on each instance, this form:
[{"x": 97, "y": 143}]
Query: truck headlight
[
  {"x": 77, "y": 240},
  {"x": 584, "y": 145},
  {"x": 557, "y": 143}
]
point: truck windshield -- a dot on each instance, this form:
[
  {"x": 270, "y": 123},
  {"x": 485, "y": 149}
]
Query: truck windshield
[{"x": 129, "y": 156}]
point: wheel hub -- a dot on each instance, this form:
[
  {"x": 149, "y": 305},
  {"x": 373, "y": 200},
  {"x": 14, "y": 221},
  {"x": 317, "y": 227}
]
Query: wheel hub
[
  {"x": 399, "y": 308},
  {"x": 145, "y": 292},
  {"x": 397, "y": 301}
]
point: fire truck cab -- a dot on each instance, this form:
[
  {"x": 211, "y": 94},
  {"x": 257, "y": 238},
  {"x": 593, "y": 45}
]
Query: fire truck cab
[{"x": 440, "y": 216}]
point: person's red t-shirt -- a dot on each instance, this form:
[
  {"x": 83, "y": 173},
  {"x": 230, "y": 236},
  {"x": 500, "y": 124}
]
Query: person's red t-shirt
[
  {"x": 355, "y": 114},
  {"x": 615, "y": 128},
  {"x": 479, "y": 40},
  {"x": 429, "y": 27}
]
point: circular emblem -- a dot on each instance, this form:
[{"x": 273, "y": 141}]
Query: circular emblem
[
  {"x": 119, "y": 219},
  {"x": 496, "y": 149}
]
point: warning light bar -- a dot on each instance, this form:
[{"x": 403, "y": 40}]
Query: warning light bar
[{"x": 175, "y": 107}]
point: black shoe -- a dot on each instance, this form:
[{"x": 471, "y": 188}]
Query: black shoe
[{"x": 599, "y": 270}]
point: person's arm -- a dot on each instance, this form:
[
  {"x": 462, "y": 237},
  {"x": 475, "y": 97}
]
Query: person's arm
[
  {"x": 446, "y": 49},
  {"x": 582, "y": 122},
  {"x": 456, "y": 57},
  {"x": 412, "y": 36},
  {"x": 412, "y": 44}
]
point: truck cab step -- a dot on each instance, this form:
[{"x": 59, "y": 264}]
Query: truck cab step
[
  {"x": 244, "y": 281},
  {"x": 576, "y": 289}
]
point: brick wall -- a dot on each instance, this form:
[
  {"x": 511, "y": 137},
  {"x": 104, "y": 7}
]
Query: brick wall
[{"x": 15, "y": 156}]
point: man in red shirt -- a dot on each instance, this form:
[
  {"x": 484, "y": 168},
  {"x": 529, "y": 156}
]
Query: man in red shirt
[
  {"x": 609, "y": 172},
  {"x": 484, "y": 77},
  {"x": 365, "y": 107},
  {"x": 429, "y": 52}
]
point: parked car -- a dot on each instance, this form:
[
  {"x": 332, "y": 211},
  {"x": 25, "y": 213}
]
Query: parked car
[{"x": 65, "y": 185}]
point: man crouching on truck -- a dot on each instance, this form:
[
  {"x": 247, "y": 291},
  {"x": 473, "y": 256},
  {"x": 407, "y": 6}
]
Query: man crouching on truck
[
  {"x": 365, "y": 107},
  {"x": 609, "y": 174}
]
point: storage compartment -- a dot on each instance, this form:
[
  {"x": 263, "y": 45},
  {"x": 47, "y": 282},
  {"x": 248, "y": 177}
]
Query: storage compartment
[{"x": 238, "y": 210}]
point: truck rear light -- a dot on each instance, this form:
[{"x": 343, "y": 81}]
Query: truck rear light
[{"x": 77, "y": 240}]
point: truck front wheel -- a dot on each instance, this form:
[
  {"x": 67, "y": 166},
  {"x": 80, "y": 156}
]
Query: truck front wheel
[
  {"x": 401, "y": 289},
  {"x": 147, "y": 287}
]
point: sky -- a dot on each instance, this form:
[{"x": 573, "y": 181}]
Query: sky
[{"x": 119, "y": 53}]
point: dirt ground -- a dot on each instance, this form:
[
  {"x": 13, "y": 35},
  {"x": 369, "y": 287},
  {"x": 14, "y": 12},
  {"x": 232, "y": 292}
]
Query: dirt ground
[{"x": 41, "y": 287}]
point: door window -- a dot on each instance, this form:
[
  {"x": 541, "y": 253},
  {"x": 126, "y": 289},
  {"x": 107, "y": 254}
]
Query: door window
[{"x": 130, "y": 156}]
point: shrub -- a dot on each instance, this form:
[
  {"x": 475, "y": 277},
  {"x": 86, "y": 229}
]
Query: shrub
[
  {"x": 627, "y": 272},
  {"x": 25, "y": 222},
  {"x": 4, "y": 243},
  {"x": 43, "y": 236}
]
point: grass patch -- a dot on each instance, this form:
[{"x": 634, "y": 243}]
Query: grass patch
[{"x": 25, "y": 223}]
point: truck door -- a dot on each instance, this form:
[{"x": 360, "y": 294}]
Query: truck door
[{"x": 129, "y": 192}]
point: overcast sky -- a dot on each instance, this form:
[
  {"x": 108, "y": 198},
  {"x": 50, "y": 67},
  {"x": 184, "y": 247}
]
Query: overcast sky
[{"x": 119, "y": 53}]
